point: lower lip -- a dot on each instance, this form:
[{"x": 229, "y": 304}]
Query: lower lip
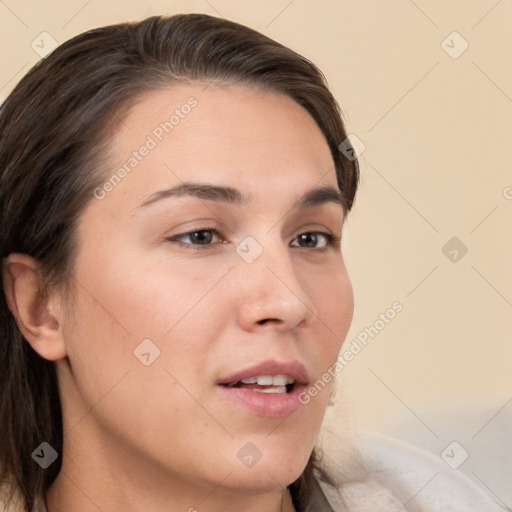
[{"x": 271, "y": 405}]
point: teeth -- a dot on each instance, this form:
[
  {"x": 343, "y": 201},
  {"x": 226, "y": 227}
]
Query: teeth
[
  {"x": 265, "y": 380},
  {"x": 269, "y": 380},
  {"x": 252, "y": 380},
  {"x": 282, "y": 380},
  {"x": 277, "y": 389}
]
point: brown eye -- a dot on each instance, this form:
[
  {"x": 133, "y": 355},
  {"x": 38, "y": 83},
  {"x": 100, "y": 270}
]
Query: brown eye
[
  {"x": 199, "y": 238},
  {"x": 310, "y": 239}
]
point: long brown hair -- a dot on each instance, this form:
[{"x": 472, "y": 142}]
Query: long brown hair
[{"x": 54, "y": 130}]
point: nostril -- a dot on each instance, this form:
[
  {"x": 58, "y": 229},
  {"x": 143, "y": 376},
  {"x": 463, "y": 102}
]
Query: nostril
[{"x": 264, "y": 321}]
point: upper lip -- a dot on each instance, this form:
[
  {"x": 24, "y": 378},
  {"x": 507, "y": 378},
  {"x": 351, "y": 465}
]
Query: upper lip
[{"x": 293, "y": 369}]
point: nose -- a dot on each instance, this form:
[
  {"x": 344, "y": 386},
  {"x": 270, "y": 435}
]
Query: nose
[{"x": 271, "y": 292}]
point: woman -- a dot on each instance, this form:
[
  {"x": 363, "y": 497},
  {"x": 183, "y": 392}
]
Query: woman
[
  {"x": 113, "y": 148},
  {"x": 145, "y": 367}
]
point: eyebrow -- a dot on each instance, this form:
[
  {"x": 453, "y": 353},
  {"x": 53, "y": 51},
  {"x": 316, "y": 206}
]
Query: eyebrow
[{"x": 223, "y": 194}]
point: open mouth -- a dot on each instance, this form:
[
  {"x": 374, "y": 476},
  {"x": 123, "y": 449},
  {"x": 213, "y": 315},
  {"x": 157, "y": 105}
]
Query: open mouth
[{"x": 265, "y": 384}]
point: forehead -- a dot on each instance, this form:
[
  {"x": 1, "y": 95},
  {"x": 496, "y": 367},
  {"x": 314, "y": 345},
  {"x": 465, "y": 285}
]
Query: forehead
[
  {"x": 250, "y": 138},
  {"x": 229, "y": 106}
]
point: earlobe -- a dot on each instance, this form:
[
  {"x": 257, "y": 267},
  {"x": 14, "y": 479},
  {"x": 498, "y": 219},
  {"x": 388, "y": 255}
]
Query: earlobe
[{"x": 37, "y": 316}]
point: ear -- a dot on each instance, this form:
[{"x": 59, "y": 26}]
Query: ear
[{"x": 39, "y": 318}]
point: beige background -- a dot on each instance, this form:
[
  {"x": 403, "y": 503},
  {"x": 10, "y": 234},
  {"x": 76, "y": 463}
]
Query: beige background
[{"x": 438, "y": 133}]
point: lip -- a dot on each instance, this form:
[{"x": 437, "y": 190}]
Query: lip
[
  {"x": 293, "y": 369},
  {"x": 271, "y": 405}
]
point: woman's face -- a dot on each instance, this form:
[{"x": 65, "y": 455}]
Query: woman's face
[{"x": 162, "y": 321}]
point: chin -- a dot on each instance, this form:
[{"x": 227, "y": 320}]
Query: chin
[{"x": 273, "y": 471}]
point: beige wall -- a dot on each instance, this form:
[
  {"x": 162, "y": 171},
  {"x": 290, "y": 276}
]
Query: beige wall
[{"x": 438, "y": 133}]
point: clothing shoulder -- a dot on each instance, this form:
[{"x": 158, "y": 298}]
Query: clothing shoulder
[{"x": 378, "y": 472}]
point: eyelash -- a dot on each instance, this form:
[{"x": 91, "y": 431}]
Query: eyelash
[{"x": 332, "y": 241}]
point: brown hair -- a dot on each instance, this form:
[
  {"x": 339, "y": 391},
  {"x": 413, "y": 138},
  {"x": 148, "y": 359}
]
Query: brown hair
[{"x": 54, "y": 130}]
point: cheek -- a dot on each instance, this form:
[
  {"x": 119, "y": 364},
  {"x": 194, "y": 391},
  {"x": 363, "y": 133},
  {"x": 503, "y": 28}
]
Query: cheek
[
  {"x": 134, "y": 295},
  {"x": 331, "y": 293},
  {"x": 99, "y": 347},
  {"x": 119, "y": 302},
  {"x": 123, "y": 300}
]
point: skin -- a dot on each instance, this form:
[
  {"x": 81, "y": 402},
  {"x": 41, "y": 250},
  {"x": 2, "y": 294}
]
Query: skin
[{"x": 161, "y": 437}]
